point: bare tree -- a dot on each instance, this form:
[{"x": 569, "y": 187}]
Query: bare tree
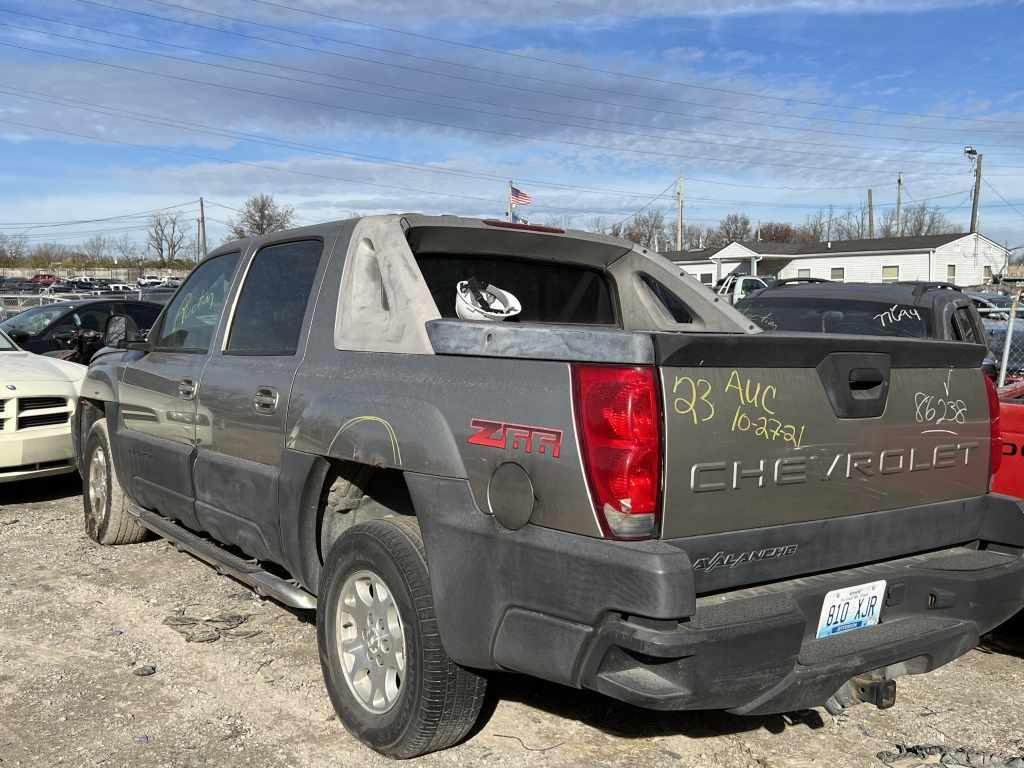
[
  {"x": 777, "y": 232},
  {"x": 13, "y": 250},
  {"x": 167, "y": 238},
  {"x": 735, "y": 226},
  {"x": 851, "y": 225},
  {"x": 126, "y": 249},
  {"x": 647, "y": 228},
  {"x": 921, "y": 220},
  {"x": 48, "y": 255},
  {"x": 815, "y": 227},
  {"x": 260, "y": 215},
  {"x": 96, "y": 248}
]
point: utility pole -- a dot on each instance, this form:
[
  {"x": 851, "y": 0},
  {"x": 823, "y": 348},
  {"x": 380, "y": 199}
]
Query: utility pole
[
  {"x": 871, "y": 217},
  {"x": 680, "y": 229},
  {"x": 899, "y": 205},
  {"x": 971, "y": 152},
  {"x": 202, "y": 227}
]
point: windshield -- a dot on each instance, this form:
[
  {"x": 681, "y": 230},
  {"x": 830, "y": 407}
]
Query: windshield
[
  {"x": 6, "y": 345},
  {"x": 864, "y": 318},
  {"x": 33, "y": 321}
]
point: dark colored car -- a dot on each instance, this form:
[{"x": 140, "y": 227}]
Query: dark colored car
[
  {"x": 48, "y": 327},
  {"x": 907, "y": 310}
]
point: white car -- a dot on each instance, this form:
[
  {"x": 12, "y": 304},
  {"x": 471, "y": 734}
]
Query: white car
[
  {"x": 147, "y": 281},
  {"x": 37, "y": 398}
]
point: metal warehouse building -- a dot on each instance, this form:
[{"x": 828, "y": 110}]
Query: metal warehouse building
[{"x": 964, "y": 259}]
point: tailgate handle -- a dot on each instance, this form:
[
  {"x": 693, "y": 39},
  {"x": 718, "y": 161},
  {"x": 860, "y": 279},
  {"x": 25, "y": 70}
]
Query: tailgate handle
[
  {"x": 866, "y": 382},
  {"x": 856, "y": 383}
]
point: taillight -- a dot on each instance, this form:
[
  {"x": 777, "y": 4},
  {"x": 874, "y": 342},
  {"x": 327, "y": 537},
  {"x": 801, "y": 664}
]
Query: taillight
[
  {"x": 618, "y": 419},
  {"x": 994, "y": 429}
]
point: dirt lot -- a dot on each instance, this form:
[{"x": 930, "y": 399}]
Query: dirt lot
[{"x": 235, "y": 681}]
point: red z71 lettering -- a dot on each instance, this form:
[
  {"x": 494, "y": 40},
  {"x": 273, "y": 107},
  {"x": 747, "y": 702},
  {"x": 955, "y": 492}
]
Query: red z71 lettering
[{"x": 518, "y": 437}]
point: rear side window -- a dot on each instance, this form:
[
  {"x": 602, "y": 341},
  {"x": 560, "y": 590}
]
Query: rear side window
[
  {"x": 863, "y": 318},
  {"x": 548, "y": 292},
  {"x": 965, "y": 326},
  {"x": 192, "y": 316},
  {"x": 673, "y": 305},
  {"x": 272, "y": 304}
]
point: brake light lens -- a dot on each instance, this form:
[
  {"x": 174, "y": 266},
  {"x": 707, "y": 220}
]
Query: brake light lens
[
  {"x": 995, "y": 430},
  {"x": 618, "y": 419}
]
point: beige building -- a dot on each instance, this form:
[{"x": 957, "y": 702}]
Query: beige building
[{"x": 963, "y": 259}]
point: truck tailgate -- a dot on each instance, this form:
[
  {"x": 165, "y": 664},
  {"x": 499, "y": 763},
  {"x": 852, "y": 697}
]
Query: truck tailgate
[{"x": 772, "y": 429}]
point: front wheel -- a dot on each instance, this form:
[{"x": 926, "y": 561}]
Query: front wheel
[
  {"x": 107, "y": 520},
  {"x": 389, "y": 679}
]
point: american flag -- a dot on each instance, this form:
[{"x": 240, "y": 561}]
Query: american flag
[{"x": 520, "y": 198}]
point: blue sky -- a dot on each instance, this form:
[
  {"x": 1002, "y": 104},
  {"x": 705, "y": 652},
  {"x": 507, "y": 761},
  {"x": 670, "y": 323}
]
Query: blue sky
[{"x": 770, "y": 107}]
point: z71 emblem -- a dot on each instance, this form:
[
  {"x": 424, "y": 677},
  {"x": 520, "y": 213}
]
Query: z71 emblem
[{"x": 518, "y": 437}]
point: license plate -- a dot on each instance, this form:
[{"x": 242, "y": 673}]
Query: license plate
[{"x": 851, "y": 608}]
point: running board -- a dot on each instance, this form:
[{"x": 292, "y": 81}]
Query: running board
[{"x": 264, "y": 583}]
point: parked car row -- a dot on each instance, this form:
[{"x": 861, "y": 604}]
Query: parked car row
[
  {"x": 43, "y": 352},
  {"x": 50, "y": 284},
  {"x": 609, "y": 478}
]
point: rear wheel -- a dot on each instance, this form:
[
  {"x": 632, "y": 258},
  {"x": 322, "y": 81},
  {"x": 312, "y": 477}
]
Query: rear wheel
[
  {"x": 107, "y": 520},
  {"x": 390, "y": 680}
]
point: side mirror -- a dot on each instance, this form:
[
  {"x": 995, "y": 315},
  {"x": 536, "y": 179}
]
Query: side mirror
[
  {"x": 119, "y": 331},
  {"x": 19, "y": 337}
]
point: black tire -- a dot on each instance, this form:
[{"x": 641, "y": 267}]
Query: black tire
[
  {"x": 107, "y": 520},
  {"x": 438, "y": 702}
]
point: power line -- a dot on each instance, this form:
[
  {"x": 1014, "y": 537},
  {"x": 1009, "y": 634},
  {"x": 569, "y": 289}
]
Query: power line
[
  {"x": 1000, "y": 194},
  {"x": 615, "y": 73},
  {"x": 265, "y": 167},
  {"x": 644, "y": 207},
  {"x": 524, "y": 137},
  {"x": 316, "y": 149},
  {"x": 75, "y": 222},
  {"x": 489, "y": 83},
  {"x": 668, "y": 133},
  {"x": 271, "y": 141},
  {"x": 424, "y": 102}
]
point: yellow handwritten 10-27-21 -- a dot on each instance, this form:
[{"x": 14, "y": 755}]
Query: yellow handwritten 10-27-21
[{"x": 755, "y": 410}]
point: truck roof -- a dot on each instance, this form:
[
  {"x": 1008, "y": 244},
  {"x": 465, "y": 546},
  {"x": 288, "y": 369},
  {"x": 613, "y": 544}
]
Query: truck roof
[
  {"x": 447, "y": 233},
  {"x": 917, "y": 293}
]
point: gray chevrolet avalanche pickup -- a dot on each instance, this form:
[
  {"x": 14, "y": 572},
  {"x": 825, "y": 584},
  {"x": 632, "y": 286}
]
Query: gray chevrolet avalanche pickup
[{"x": 627, "y": 487}]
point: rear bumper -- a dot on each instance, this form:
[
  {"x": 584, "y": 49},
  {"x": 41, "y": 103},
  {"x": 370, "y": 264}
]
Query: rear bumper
[
  {"x": 624, "y": 619},
  {"x": 754, "y": 652}
]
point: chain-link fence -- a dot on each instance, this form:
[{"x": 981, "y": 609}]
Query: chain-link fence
[
  {"x": 1004, "y": 328},
  {"x": 13, "y": 303}
]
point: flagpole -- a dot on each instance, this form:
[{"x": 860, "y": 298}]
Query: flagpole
[{"x": 508, "y": 209}]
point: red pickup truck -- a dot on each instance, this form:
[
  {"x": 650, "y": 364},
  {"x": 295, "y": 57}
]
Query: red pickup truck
[
  {"x": 1009, "y": 478},
  {"x": 42, "y": 279}
]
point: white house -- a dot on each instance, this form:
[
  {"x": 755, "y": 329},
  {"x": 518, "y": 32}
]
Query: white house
[{"x": 963, "y": 259}]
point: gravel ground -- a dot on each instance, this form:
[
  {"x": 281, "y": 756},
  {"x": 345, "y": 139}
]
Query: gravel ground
[{"x": 144, "y": 656}]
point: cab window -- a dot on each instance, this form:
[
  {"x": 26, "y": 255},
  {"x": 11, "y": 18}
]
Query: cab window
[
  {"x": 272, "y": 304},
  {"x": 191, "y": 318}
]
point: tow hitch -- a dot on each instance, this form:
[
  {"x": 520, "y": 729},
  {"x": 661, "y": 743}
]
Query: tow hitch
[{"x": 878, "y": 691}]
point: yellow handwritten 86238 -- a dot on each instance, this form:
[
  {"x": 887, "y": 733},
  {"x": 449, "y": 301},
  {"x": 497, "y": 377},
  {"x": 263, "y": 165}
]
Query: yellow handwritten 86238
[{"x": 692, "y": 397}]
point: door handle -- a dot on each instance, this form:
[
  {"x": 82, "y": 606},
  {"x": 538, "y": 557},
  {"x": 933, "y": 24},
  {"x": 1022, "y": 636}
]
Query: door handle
[
  {"x": 187, "y": 389},
  {"x": 265, "y": 400}
]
